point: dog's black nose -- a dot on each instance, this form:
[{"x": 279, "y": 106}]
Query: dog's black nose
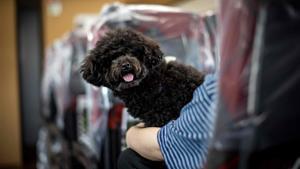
[{"x": 126, "y": 67}]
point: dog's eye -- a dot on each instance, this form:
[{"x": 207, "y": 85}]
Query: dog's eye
[
  {"x": 153, "y": 61},
  {"x": 138, "y": 50}
]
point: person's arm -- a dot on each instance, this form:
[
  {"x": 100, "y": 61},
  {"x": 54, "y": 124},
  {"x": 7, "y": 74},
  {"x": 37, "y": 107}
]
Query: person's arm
[
  {"x": 144, "y": 141},
  {"x": 181, "y": 143}
]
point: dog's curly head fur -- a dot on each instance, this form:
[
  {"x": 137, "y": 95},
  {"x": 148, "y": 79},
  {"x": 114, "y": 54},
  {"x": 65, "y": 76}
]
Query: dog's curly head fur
[{"x": 121, "y": 60}]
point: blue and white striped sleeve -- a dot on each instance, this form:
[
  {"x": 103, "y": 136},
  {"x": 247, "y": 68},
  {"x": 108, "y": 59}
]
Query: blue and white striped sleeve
[{"x": 184, "y": 141}]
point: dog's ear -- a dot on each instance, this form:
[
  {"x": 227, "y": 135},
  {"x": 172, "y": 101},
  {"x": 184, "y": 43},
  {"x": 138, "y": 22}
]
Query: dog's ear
[
  {"x": 156, "y": 55},
  {"x": 91, "y": 72}
]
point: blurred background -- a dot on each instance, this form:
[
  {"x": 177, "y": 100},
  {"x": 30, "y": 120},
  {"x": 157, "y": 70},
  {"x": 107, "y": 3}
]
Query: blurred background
[
  {"x": 30, "y": 31},
  {"x": 51, "y": 119}
]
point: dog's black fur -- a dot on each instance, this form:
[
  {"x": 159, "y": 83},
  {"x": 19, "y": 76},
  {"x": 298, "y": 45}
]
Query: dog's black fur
[{"x": 132, "y": 66}]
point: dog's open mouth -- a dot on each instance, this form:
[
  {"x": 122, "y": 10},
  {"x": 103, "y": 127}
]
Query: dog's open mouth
[{"x": 129, "y": 77}]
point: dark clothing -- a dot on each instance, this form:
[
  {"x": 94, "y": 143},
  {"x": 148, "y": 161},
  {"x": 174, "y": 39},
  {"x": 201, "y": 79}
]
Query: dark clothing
[{"x": 129, "y": 159}]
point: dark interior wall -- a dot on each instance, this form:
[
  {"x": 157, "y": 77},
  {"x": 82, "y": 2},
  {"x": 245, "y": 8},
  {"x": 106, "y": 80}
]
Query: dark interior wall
[
  {"x": 30, "y": 73},
  {"x": 30, "y": 56}
]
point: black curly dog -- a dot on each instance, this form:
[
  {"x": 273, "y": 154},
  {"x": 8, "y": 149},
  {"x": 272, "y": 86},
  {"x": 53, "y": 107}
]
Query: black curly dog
[{"x": 132, "y": 66}]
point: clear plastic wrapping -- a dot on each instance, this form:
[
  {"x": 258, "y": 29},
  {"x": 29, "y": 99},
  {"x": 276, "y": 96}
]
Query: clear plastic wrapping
[
  {"x": 78, "y": 111},
  {"x": 180, "y": 34},
  {"x": 258, "y": 109}
]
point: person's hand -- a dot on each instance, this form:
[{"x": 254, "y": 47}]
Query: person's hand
[
  {"x": 140, "y": 125},
  {"x": 132, "y": 131},
  {"x": 143, "y": 140}
]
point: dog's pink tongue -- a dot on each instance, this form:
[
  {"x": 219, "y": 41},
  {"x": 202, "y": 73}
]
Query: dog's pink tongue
[{"x": 128, "y": 78}]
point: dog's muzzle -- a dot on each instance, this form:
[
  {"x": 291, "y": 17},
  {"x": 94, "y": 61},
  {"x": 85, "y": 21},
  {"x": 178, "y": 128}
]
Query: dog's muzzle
[
  {"x": 126, "y": 68},
  {"x": 127, "y": 72}
]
